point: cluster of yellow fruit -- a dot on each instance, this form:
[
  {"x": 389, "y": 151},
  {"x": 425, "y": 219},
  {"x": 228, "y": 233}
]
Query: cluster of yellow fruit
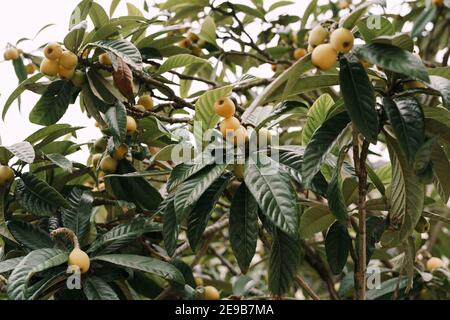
[
  {"x": 230, "y": 127},
  {"x": 145, "y": 103},
  {"x": 6, "y": 175},
  {"x": 209, "y": 292},
  {"x": 190, "y": 42},
  {"x": 324, "y": 54},
  {"x": 58, "y": 62}
]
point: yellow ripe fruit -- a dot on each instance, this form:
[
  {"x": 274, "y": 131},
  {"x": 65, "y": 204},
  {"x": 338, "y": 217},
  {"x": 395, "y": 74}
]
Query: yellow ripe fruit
[
  {"x": 192, "y": 36},
  {"x": 146, "y": 101},
  {"x": 131, "y": 126},
  {"x": 211, "y": 293},
  {"x": 342, "y": 40},
  {"x": 49, "y": 67},
  {"x": 6, "y": 175},
  {"x": 299, "y": 53},
  {"x": 324, "y": 56},
  {"x": 53, "y": 51},
  {"x": 228, "y": 126},
  {"x": 264, "y": 137},
  {"x": 66, "y": 74},
  {"x": 68, "y": 60},
  {"x": 78, "y": 78},
  {"x": 239, "y": 171},
  {"x": 30, "y": 68},
  {"x": 240, "y": 136},
  {"x": 423, "y": 225},
  {"x": 105, "y": 59},
  {"x": 438, "y": 2},
  {"x": 274, "y": 67},
  {"x": 79, "y": 258},
  {"x": 225, "y": 107},
  {"x": 317, "y": 35},
  {"x": 196, "y": 51},
  {"x": 185, "y": 43},
  {"x": 108, "y": 164},
  {"x": 140, "y": 107},
  {"x": 434, "y": 263},
  {"x": 198, "y": 282},
  {"x": 11, "y": 54},
  {"x": 95, "y": 159},
  {"x": 343, "y": 5},
  {"x": 121, "y": 152}
]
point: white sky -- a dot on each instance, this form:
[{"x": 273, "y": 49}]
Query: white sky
[{"x": 22, "y": 18}]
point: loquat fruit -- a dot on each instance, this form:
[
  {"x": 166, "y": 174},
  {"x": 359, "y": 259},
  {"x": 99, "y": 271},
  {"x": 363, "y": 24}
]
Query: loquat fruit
[
  {"x": 342, "y": 40},
  {"x": 185, "y": 43},
  {"x": 140, "y": 107},
  {"x": 121, "y": 152},
  {"x": 68, "y": 60},
  {"x": 80, "y": 259},
  {"x": 30, "y": 68},
  {"x": 211, "y": 293},
  {"x": 105, "y": 59},
  {"x": 225, "y": 107},
  {"x": 146, "y": 101},
  {"x": 228, "y": 126},
  {"x": 434, "y": 263},
  {"x": 108, "y": 164},
  {"x": 6, "y": 175},
  {"x": 192, "y": 36},
  {"x": 274, "y": 67},
  {"x": 317, "y": 35},
  {"x": 66, "y": 74},
  {"x": 299, "y": 53},
  {"x": 423, "y": 225},
  {"x": 343, "y": 5},
  {"x": 100, "y": 145},
  {"x": 324, "y": 56},
  {"x": 49, "y": 67},
  {"x": 78, "y": 78},
  {"x": 131, "y": 126},
  {"x": 53, "y": 51},
  {"x": 11, "y": 54}
]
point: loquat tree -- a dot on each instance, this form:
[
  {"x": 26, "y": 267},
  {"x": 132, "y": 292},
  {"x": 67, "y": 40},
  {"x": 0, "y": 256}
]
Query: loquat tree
[{"x": 214, "y": 177}]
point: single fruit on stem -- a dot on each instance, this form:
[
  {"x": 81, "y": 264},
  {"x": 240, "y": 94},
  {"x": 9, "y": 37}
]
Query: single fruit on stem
[
  {"x": 146, "y": 101},
  {"x": 78, "y": 78},
  {"x": 225, "y": 107},
  {"x": 53, "y": 51},
  {"x": 317, "y": 35},
  {"x": 342, "y": 40},
  {"x": 105, "y": 59},
  {"x": 100, "y": 145},
  {"x": 80, "y": 259},
  {"x": 423, "y": 225},
  {"x": 121, "y": 152},
  {"x": 434, "y": 263},
  {"x": 211, "y": 293},
  {"x": 6, "y": 175},
  {"x": 11, "y": 54},
  {"x": 95, "y": 159},
  {"x": 108, "y": 164},
  {"x": 131, "y": 126},
  {"x": 65, "y": 74},
  {"x": 239, "y": 170},
  {"x": 30, "y": 68},
  {"x": 49, "y": 67},
  {"x": 228, "y": 126},
  {"x": 299, "y": 53},
  {"x": 185, "y": 43},
  {"x": 324, "y": 56},
  {"x": 68, "y": 60}
]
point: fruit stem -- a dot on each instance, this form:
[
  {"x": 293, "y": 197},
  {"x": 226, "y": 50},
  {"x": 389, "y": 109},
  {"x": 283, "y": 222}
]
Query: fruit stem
[{"x": 69, "y": 234}]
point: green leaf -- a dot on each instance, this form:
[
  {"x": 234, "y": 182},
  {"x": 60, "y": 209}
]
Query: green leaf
[
  {"x": 80, "y": 12},
  {"x": 36, "y": 261},
  {"x": 387, "y": 287},
  {"x": 243, "y": 226},
  {"x": 208, "y": 31},
  {"x": 43, "y": 190},
  {"x": 280, "y": 4},
  {"x": 375, "y": 227},
  {"x": 23, "y": 150},
  {"x": 10, "y": 264},
  {"x": 407, "y": 198},
  {"x": 113, "y": 7},
  {"x": 54, "y": 103},
  {"x": 180, "y": 60},
  {"x": 350, "y": 20},
  {"x": 393, "y": 58},
  {"x": 205, "y": 113},
  {"x": 441, "y": 169},
  {"x": 320, "y": 145},
  {"x": 60, "y": 161},
  {"x": 369, "y": 29},
  {"x": 401, "y": 40},
  {"x": 317, "y": 114},
  {"x": 133, "y": 10},
  {"x": 18, "y": 91},
  {"x": 122, "y": 48},
  {"x": 77, "y": 216},
  {"x": 336, "y": 200},
  {"x": 192, "y": 189},
  {"x": 337, "y": 247},
  {"x": 442, "y": 85},
  {"x": 170, "y": 226},
  {"x": 283, "y": 263},
  {"x": 32, "y": 203},
  {"x": 98, "y": 15},
  {"x": 308, "y": 11},
  {"x": 154, "y": 266},
  {"x": 200, "y": 214},
  {"x": 407, "y": 120},
  {"x": 96, "y": 288},
  {"x": 19, "y": 68},
  {"x": 116, "y": 118},
  {"x": 359, "y": 97},
  {"x": 74, "y": 39},
  {"x": 425, "y": 16},
  {"x": 30, "y": 235},
  {"x": 272, "y": 189},
  {"x": 314, "y": 220}
]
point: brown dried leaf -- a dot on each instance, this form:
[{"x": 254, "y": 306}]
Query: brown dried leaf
[{"x": 123, "y": 78}]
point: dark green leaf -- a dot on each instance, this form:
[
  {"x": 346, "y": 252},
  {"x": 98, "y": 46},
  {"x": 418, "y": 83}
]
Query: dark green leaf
[
  {"x": 337, "y": 246},
  {"x": 77, "y": 216},
  {"x": 29, "y": 235},
  {"x": 96, "y": 288}
]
